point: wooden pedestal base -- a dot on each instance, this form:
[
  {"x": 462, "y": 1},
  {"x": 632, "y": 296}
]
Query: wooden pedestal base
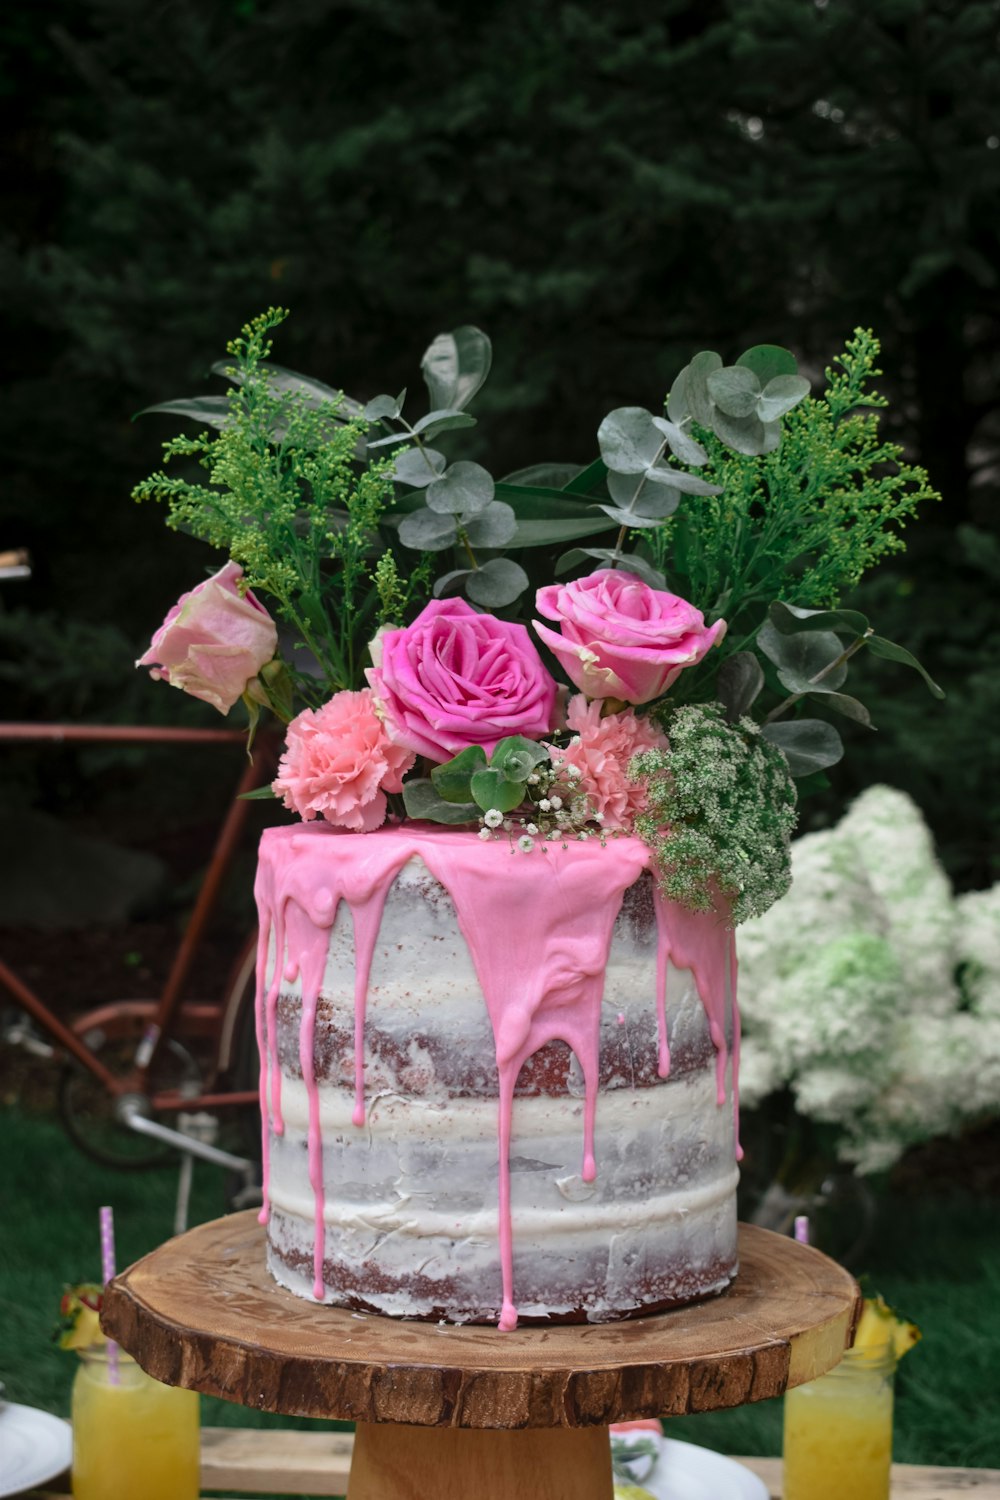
[
  {"x": 452, "y": 1413},
  {"x": 416, "y": 1463}
]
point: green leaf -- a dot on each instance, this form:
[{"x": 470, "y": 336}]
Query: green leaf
[
  {"x": 211, "y": 411},
  {"x": 549, "y": 533},
  {"x": 682, "y": 444},
  {"x": 517, "y": 757},
  {"x": 768, "y": 361},
  {"x": 548, "y": 476},
  {"x": 259, "y": 794},
  {"x": 801, "y": 656},
  {"x": 790, "y": 619},
  {"x": 311, "y": 392},
  {"x": 889, "y": 651},
  {"x": 695, "y": 376},
  {"x": 739, "y": 681},
  {"x": 380, "y": 407},
  {"x": 808, "y": 744},
  {"x": 464, "y": 489},
  {"x": 426, "y": 531},
  {"x": 588, "y": 480},
  {"x": 536, "y": 503},
  {"x": 498, "y": 582},
  {"x": 629, "y": 440},
  {"x": 387, "y": 442},
  {"x": 452, "y": 780},
  {"x": 780, "y": 395},
  {"x": 443, "y": 421},
  {"x": 491, "y": 788},
  {"x": 492, "y": 527},
  {"x": 629, "y": 561},
  {"x": 422, "y": 800},
  {"x": 418, "y": 467},
  {"x": 734, "y": 390},
  {"x": 455, "y": 366}
]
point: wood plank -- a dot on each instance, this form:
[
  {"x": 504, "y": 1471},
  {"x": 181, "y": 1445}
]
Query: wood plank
[
  {"x": 202, "y": 1312},
  {"x": 909, "y": 1481}
]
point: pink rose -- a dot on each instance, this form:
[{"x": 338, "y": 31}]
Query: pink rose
[
  {"x": 339, "y": 762},
  {"x": 214, "y": 641},
  {"x": 620, "y": 638},
  {"x": 456, "y": 678},
  {"x": 601, "y": 750}
]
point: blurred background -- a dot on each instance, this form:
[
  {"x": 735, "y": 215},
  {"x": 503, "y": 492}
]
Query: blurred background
[{"x": 605, "y": 190}]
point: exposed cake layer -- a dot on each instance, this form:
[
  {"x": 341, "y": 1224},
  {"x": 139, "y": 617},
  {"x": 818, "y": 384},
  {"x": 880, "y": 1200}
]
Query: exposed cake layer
[{"x": 491, "y": 1076}]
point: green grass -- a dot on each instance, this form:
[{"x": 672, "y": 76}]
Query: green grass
[{"x": 936, "y": 1258}]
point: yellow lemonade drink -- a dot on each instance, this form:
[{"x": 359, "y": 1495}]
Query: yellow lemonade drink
[
  {"x": 838, "y": 1430},
  {"x": 134, "y": 1440}
]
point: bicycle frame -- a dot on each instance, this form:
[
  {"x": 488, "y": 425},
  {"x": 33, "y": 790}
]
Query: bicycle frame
[{"x": 158, "y": 1028}]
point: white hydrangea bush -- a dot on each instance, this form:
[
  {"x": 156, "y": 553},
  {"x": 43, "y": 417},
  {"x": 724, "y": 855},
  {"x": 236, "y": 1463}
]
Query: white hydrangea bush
[{"x": 870, "y": 991}]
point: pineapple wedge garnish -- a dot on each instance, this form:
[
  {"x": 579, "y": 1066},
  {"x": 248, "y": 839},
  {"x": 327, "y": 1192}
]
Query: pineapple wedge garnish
[{"x": 880, "y": 1325}]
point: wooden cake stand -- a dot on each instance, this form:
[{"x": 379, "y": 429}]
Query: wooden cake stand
[{"x": 451, "y": 1413}]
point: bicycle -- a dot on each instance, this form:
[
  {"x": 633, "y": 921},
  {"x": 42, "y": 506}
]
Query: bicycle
[{"x": 134, "y": 1064}]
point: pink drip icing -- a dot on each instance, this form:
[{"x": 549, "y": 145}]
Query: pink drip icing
[
  {"x": 547, "y": 985},
  {"x": 277, "y": 1119}
]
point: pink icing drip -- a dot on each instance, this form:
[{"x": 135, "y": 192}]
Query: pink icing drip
[
  {"x": 277, "y": 1119},
  {"x": 547, "y": 985}
]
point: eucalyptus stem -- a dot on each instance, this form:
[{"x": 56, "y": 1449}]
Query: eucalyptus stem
[{"x": 832, "y": 666}]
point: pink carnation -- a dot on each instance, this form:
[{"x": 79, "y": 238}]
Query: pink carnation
[
  {"x": 601, "y": 751},
  {"x": 339, "y": 762}
]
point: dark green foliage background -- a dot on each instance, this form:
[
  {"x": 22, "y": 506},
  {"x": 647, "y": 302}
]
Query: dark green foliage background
[{"x": 604, "y": 189}]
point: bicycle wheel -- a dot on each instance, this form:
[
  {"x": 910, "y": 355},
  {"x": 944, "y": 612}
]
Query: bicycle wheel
[{"x": 89, "y": 1113}]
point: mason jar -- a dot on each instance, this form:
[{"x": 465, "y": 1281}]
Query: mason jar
[
  {"x": 838, "y": 1430},
  {"x": 132, "y": 1436}
]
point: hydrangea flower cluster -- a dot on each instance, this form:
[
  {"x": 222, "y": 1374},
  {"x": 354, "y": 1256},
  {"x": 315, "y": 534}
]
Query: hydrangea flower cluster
[{"x": 870, "y": 991}]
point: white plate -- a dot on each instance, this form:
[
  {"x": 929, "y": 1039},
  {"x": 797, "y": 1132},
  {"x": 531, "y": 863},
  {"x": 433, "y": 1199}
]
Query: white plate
[
  {"x": 35, "y": 1446},
  {"x": 686, "y": 1472}
]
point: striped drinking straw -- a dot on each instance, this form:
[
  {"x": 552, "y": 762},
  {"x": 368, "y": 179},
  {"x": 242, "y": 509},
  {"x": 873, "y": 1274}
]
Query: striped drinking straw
[{"x": 107, "y": 1274}]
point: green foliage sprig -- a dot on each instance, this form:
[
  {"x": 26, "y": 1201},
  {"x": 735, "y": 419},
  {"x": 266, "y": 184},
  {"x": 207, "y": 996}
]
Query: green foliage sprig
[
  {"x": 720, "y": 813},
  {"x": 286, "y": 499}
]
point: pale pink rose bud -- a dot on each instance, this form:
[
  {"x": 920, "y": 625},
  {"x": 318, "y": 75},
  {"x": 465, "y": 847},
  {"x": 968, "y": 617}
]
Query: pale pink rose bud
[
  {"x": 214, "y": 641},
  {"x": 620, "y": 638}
]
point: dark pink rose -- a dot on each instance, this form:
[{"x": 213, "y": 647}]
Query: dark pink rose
[
  {"x": 456, "y": 678},
  {"x": 620, "y": 638},
  {"x": 339, "y": 762},
  {"x": 214, "y": 641}
]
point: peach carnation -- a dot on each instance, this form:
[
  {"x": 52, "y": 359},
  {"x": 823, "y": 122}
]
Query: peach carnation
[
  {"x": 339, "y": 762},
  {"x": 601, "y": 750}
]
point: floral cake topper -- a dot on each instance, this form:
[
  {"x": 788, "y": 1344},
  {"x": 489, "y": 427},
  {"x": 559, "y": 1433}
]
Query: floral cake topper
[{"x": 650, "y": 644}]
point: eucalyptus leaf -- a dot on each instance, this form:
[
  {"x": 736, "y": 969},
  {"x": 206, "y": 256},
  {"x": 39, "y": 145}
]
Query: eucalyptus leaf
[
  {"x": 426, "y": 531},
  {"x": 699, "y": 401},
  {"x": 464, "y": 489},
  {"x": 743, "y": 434},
  {"x": 768, "y": 361},
  {"x": 629, "y": 517},
  {"x": 387, "y": 442},
  {"x": 493, "y": 527},
  {"x": 772, "y": 437},
  {"x": 801, "y": 657},
  {"x": 678, "y": 406},
  {"x": 682, "y": 445},
  {"x": 455, "y": 366},
  {"x": 657, "y": 501},
  {"x": 738, "y": 683},
  {"x": 850, "y": 707},
  {"x": 629, "y": 440},
  {"x": 450, "y": 583},
  {"x": 452, "y": 780},
  {"x": 517, "y": 756},
  {"x": 211, "y": 411},
  {"x": 314, "y": 393},
  {"x": 498, "y": 582},
  {"x": 889, "y": 651},
  {"x": 734, "y": 390},
  {"x": 422, "y": 800},
  {"x": 443, "y": 421},
  {"x": 780, "y": 395},
  {"x": 418, "y": 466},
  {"x": 680, "y": 479},
  {"x": 629, "y": 561},
  {"x": 792, "y": 618},
  {"x": 491, "y": 788},
  {"x": 623, "y": 488},
  {"x": 381, "y": 406},
  {"x": 808, "y": 744}
]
